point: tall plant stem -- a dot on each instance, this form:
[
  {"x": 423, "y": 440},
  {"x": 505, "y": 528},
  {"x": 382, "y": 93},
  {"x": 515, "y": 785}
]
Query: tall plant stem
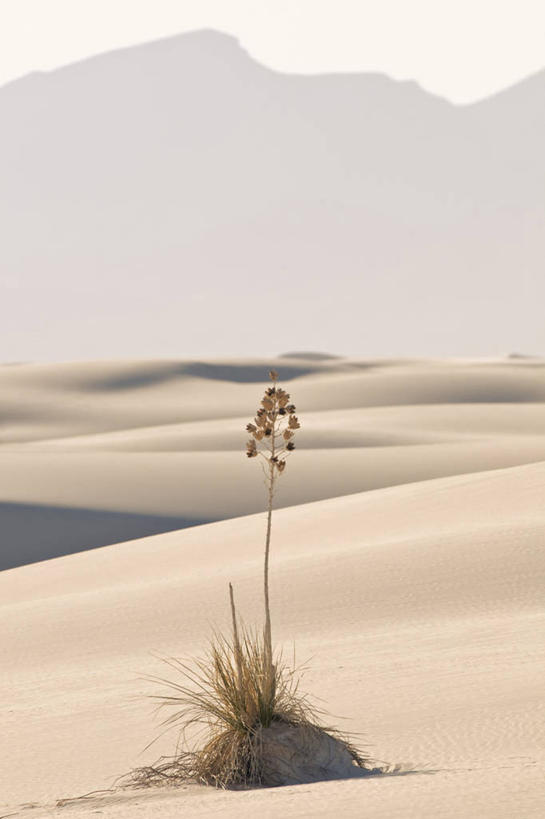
[{"x": 268, "y": 631}]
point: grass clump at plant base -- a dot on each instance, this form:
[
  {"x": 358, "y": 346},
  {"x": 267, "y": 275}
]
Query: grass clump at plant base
[{"x": 230, "y": 697}]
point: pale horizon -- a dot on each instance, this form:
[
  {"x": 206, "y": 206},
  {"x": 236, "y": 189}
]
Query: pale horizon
[{"x": 298, "y": 38}]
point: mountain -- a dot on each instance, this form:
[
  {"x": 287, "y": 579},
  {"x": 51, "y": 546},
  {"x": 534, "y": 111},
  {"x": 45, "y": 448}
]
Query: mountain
[{"x": 178, "y": 198}]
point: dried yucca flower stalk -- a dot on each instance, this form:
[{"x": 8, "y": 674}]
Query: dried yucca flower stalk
[
  {"x": 260, "y": 729},
  {"x": 272, "y": 429}
]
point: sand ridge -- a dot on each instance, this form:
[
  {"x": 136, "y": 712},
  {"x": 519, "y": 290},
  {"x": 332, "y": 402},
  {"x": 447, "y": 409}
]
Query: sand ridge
[{"x": 102, "y": 452}]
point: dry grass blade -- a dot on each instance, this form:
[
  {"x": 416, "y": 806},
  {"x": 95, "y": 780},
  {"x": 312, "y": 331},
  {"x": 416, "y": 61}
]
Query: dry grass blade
[{"x": 233, "y": 687}]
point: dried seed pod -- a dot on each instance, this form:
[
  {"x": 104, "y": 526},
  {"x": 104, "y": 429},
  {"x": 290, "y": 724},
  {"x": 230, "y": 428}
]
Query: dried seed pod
[
  {"x": 281, "y": 411},
  {"x": 259, "y": 434},
  {"x": 291, "y": 408},
  {"x": 268, "y": 431},
  {"x": 251, "y": 448},
  {"x": 290, "y": 446},
  {"x": 267, "y": 402},
  {"x": 251, "y": 427},
  {"x": 293, "y": 422},
  {"x": 273, "y": 375},
  {"x": 281, "y": 465},
  {"x": 287, "y": 434}
]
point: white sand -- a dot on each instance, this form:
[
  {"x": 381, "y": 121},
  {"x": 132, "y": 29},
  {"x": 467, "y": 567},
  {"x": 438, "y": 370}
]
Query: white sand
[{"x": 420, "y": 603}]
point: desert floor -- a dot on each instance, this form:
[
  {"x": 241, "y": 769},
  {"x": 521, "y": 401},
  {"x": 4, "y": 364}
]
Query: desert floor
[{"x": 408, "y": 574}]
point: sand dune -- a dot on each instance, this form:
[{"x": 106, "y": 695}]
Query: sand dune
[
  {"x": 385, "y": 426},
  {"x": 60, "y": 400},
  {"x": 408, "y": 563},
  {"x": 61, "y": 502},
  {"x": 102, "y": 452},
  {"x": 421, "y": 606}
]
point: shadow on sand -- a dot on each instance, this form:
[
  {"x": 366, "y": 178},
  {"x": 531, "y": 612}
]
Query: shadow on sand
[
  {"x": 147, "y": 375},
  {"x": 31, "y": 533}
]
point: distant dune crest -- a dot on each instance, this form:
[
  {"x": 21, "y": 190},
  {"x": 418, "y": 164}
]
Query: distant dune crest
[{"x": 310, "y": 356}]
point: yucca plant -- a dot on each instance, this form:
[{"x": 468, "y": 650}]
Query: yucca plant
[{"x": 260, "y": 729}]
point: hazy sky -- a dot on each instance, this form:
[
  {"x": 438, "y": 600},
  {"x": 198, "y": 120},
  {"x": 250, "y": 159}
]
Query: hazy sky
[{"x": 461, "y": 49}]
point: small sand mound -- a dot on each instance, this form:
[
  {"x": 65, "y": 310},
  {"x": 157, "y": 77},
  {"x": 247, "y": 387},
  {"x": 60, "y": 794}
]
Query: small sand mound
[
  {"x": 295, "y": 754},
  {"x": 281, "y": 754}
]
